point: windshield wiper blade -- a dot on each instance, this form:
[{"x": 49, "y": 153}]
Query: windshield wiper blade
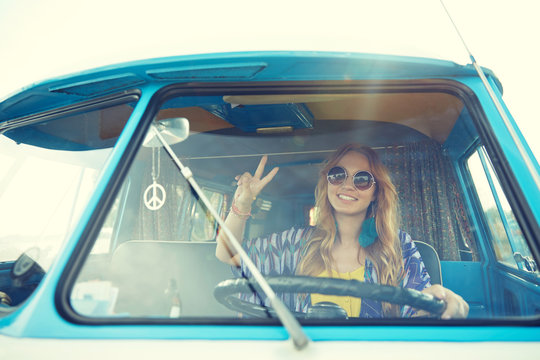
[{"x": 290, "y": 323}]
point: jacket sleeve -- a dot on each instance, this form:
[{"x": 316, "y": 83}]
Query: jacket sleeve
[{"x": 415, "y": 275}]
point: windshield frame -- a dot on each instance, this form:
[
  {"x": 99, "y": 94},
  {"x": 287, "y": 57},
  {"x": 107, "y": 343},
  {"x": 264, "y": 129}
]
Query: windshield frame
[{"x": 92, "y": 228}]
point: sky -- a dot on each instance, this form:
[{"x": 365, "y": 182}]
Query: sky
[{"x": 47, "y": 38}]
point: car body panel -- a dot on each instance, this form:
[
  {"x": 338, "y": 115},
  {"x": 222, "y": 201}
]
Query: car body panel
[
  {"x": 273, "y": 349},
  {"x": 42, "y": 319}
]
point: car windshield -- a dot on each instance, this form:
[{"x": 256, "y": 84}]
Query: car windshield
[{"x": 155, "y": 256}]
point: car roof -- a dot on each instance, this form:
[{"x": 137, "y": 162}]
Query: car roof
[{"x": 225, "y": 67}]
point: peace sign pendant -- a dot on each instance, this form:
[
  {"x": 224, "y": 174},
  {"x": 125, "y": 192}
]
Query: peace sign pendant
[{"x": 154, "y": 196}]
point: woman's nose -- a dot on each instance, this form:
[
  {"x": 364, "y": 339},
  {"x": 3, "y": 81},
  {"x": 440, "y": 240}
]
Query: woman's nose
[{"x": 349, "y": 182}]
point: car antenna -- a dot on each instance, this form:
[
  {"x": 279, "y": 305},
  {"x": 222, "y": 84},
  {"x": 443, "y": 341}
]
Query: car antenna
[
  {"x": 527, "y": 159},
  {"x": 290, "y": 323}
]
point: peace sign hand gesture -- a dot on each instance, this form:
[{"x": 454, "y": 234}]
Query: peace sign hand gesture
[{"x": 249, "y": 186}]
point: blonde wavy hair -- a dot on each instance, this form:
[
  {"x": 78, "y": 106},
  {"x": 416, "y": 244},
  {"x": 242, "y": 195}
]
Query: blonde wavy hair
[{"x": 385, "y": 252}]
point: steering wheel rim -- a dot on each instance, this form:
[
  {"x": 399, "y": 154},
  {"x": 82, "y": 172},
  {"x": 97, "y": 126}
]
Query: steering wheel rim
[{"x": 225, "y": 293}]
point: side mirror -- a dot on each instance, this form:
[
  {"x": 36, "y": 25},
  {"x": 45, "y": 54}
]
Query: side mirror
[{"x": 173, "y": 130}]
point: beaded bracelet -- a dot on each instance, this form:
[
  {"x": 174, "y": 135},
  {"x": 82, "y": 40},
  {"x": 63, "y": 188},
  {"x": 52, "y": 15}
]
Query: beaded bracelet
[{"x": 240, "y": 214}]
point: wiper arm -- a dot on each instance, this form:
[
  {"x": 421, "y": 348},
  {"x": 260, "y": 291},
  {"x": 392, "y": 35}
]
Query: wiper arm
[{"x": 288, "y": 320}]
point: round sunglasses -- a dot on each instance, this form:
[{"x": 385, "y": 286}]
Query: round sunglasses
[{"x": 363, "y": 180}]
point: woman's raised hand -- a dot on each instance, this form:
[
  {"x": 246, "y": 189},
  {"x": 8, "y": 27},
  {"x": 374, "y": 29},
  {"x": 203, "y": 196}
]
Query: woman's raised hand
[{"x": 249, "y": 186}]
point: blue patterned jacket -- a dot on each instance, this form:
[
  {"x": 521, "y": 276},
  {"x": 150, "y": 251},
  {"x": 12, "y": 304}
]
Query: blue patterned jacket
[{"x": 279, "y": 254}]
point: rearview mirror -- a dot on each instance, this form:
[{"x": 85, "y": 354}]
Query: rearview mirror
[{"x": 173, "y": 130}]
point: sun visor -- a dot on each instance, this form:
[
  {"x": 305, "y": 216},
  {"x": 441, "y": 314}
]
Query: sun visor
[{"x": 251, "y": 118}]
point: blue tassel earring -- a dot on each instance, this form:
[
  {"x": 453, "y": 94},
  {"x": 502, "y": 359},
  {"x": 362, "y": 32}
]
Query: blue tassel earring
[{"x": 369, "y": 229}]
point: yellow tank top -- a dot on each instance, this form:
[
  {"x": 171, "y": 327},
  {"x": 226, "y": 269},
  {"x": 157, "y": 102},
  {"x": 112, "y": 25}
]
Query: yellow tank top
[{"x": 350, "y": 304}]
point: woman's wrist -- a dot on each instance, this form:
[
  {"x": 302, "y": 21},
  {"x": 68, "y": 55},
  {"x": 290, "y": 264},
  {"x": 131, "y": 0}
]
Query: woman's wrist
[{"x": 243, "y": 212}]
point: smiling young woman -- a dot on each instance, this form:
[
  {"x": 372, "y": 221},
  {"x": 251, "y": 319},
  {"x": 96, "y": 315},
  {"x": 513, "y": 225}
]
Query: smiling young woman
[{"x": 356, "y": 236}]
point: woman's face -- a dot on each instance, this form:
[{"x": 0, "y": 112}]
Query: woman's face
[{"x": 345, "y": 198}]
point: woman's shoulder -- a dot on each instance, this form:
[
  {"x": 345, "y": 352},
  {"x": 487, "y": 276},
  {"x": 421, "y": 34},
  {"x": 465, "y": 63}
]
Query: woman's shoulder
[
  {"x": 404, "y": 237},
  {"x": 292, "y": 235},
  {"x": 295, "y": 232},
  {"x": 298, "y": 233},
  {"x": 408, "y": 247}
]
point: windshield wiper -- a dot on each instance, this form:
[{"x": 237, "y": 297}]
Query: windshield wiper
[{"x": 290, "y": 323}]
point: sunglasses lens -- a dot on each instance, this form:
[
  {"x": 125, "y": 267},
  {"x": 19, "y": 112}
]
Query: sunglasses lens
[
  {"x": 363, "y": 180},
  {"x": 336, "y": 175}
]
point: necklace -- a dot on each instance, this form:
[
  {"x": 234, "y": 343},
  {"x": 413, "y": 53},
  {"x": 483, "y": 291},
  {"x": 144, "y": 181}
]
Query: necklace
[{"x": 154, "y": 196}]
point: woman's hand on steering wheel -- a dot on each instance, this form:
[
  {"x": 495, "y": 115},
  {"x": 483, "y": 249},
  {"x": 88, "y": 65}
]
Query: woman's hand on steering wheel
[
  {"x": 456, "y": 307},
  {"x": 249, "y": 186}
]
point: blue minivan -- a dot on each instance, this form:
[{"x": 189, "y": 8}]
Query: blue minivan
[{"x": 115, "y": 183}]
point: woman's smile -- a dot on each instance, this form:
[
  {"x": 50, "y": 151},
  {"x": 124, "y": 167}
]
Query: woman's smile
[{"x": 346, "y": 197}]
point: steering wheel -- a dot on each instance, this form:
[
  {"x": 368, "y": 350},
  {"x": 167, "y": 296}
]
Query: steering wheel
[{"x": 226, "y": 290}]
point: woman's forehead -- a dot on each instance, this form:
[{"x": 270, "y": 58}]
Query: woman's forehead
[{"x": 354, "y": 161}]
